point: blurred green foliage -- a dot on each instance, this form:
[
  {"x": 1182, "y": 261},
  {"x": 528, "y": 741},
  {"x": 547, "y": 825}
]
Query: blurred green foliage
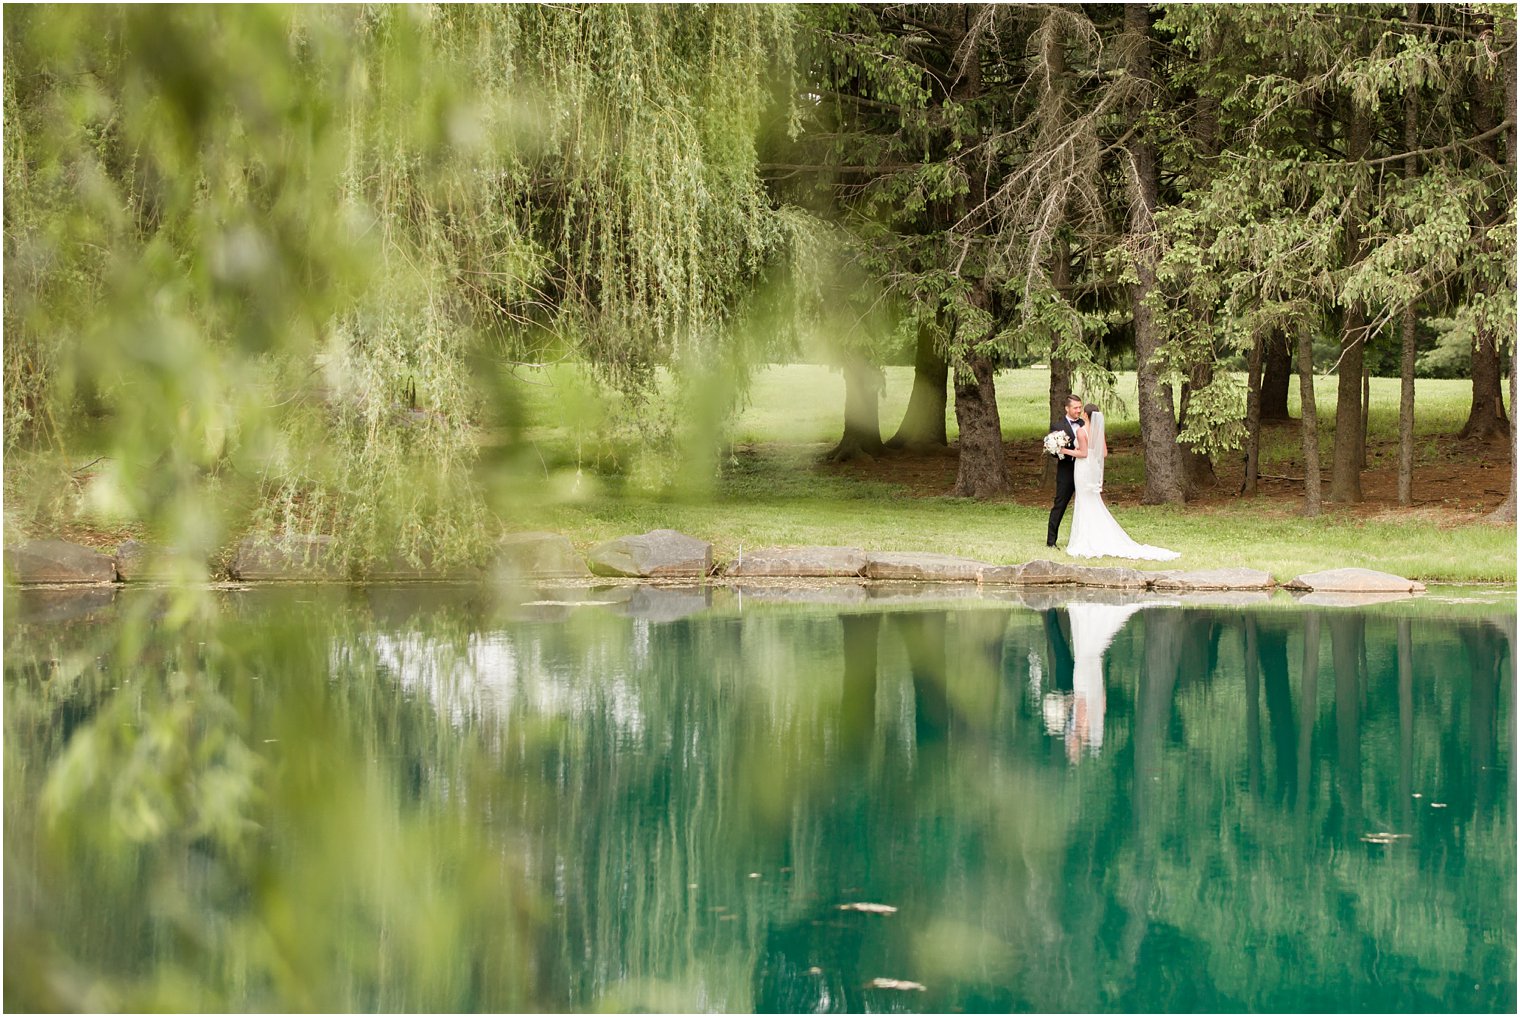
[{"x": 274, "y": 267}]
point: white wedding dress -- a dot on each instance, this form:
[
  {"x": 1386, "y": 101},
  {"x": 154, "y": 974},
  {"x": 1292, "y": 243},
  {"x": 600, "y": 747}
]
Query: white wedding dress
[
  {"x": 1093, "y": 628},
  {"x": 1094, "y": 533}
]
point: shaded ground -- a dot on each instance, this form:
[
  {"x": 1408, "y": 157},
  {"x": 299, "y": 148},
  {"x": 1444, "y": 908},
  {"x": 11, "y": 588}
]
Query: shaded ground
[{"x": 1453, "y": 482}]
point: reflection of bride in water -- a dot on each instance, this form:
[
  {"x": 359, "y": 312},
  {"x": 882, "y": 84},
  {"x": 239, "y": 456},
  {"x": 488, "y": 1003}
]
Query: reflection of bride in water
[{"x": 1075, "y": 709}]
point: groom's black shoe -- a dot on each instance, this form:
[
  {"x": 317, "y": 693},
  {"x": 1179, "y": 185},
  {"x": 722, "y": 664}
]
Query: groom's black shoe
[{"x": 1050, "y": 545}]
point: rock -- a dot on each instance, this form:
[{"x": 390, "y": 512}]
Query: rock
[
  {"x": 539, "y": 556},
  {"x": 935, "y": 568},
  {"x": 137, "y": 562},
  {"x": 1212, "y": 579},
  {"x": 298, "y": 557},
  {"x": 799, "y": 562},
  {"x": 57, "y": 561},
  {"x": 656, "y": 554},
  {"x": 1000, "y": 575},
  {"x": 1354, "y": 581},
  {"x": 1051, "y": 573},
  {"x": 1043, "y": 573},
  {"x": 1113, "y": 577}
]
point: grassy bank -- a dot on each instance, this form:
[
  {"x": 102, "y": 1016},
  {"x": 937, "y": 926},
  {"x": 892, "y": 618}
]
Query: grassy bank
[
  {"x": 773, "y": 489},
  {"x": 771, "y": 486}
]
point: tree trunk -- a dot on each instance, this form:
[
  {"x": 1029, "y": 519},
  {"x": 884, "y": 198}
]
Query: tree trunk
[
  {"x": 1406, "y": 410},
  {"x": 1486, "y": 418},
  {"x": 1309, "y": 422},
  {"x": 1158, "y": 421},
  {"x": 1276, "y": 370},
  {"x": 1345, "y": 469},
  {"x": 1060, "y": 370},
  {"x": 1253, "y": 417},
  {"x": 862, "y": 410},
  {"x": 1197, "y": 467},
  {"x": 1407, "y": 326},
  {"x": 1506, "y": 32},
  {"x": 982, "y": 471},
  {"x": 1505, "y": 513},
  {"x": 1366, "y": 426},
  {"x": 923, "y": 424}
]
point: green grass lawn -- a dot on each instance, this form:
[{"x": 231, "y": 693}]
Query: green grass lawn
[{"x": 773, "y": 490}]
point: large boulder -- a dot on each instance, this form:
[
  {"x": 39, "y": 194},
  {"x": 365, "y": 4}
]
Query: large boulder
[
  {"x": 1112, "y": 577},
  {"x": 539, "y": 556},
  {"x": 1041, "y": 572},
  {"x": 298, "y": 558},
  {"x": 1353, "y": 581},
  {"x": 799, "y": 562},
  {"x": 1211, "y": 579},
  {"x": 57, "y": 561},
  {"x": 658, "y": 554},
  {"x": 932, "y": 568},
  {"x": 137, "y": 562}
]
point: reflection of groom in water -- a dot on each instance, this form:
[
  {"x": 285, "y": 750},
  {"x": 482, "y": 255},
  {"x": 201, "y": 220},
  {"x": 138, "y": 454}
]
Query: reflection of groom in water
[
  {"x": 1058, "y": 640},
  {"x": 1066, "y": 467}
]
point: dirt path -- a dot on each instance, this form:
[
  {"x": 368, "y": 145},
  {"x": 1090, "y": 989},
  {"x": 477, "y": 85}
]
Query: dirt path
[{"x": 1462, "y": 487}]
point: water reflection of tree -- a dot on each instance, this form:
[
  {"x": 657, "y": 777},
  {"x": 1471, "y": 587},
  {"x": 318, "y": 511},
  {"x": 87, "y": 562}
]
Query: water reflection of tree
[
  {"x": 1337, "y": 893},
  {"x": 867, "y": 757}
]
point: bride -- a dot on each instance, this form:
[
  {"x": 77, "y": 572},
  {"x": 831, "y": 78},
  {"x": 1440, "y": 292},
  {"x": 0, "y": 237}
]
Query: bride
[{"x": 1094, "y": 533}]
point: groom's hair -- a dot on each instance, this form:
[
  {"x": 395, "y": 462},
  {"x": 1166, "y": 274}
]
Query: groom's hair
[{"x": 1071, "y": 399}]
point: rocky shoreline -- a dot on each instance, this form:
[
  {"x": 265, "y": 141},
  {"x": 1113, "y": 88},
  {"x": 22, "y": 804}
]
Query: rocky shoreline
[{"x": 657, "y": 555}]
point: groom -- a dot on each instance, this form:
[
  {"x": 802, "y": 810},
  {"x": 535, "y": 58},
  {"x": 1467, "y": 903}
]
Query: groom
[{"x": 1066, "y": 466}]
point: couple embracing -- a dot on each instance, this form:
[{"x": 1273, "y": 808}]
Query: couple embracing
[{"x": 1079, "y": 472}]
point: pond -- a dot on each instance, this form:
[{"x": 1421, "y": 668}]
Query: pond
[{"x": 847, "y": 798}]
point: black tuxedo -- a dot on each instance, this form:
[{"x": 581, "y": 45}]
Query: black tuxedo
[{"x": 1066, "y": 480}]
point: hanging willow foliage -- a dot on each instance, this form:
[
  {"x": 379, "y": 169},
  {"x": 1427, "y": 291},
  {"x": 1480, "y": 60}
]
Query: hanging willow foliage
[{"x": 279, "y": 257}]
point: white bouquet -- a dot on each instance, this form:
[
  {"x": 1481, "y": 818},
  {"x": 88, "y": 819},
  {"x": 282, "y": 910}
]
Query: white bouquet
[{"x": 1056, "y": 440}]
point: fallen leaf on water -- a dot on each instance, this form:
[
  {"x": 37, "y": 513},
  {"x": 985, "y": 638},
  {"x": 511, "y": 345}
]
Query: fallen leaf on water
[
  {"x": 1438, "y": 805},
  {"x": 893, "y": 983},
  {"x": 567, "y": 603},
  {"x": 872, "y": 909},
  {"x": 1384, "y": 838}
]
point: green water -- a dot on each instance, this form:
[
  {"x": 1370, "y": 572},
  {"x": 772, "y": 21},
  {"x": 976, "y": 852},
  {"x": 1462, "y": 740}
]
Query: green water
[{"x": 460, "y": 799}]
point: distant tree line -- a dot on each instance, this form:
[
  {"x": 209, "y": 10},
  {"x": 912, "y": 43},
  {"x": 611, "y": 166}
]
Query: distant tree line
[{"x": 1203, "y": 184}]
